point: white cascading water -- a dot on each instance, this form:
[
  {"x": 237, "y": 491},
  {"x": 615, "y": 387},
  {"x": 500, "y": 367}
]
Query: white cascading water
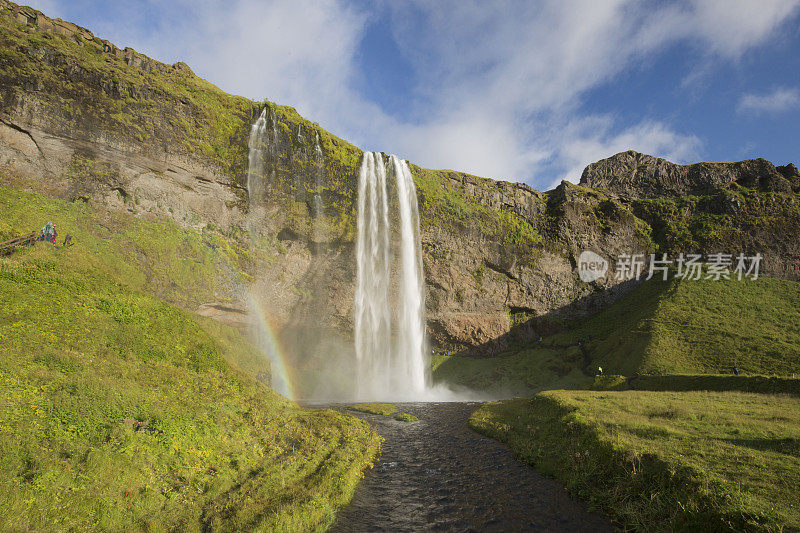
[
  {"x": 372, "y": 317},
  {"x": 256, "y": 159},
  {"x": 260, "y": 332},
  {"x": 386, "y": 371},
  {"x": 411, "y": 335}
]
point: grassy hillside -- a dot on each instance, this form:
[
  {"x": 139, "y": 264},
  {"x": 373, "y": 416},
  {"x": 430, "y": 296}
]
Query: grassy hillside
[
  {"x": 663, "y": 460},
  {"x": 696, "y": 327},
  {"x": 185, "y": 267},
  {"x": 120, "y": 411},
  {"x": 668, "y": 328},
  {"x": 693, "y": 382}
]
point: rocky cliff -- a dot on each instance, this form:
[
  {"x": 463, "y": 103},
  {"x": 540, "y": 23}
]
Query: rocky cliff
[
  {"x": 635, "y": 176},
  {"x": 87, "y": 121}
]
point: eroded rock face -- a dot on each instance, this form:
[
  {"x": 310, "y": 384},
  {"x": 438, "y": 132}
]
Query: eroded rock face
[{"x": 634, "y": 175}]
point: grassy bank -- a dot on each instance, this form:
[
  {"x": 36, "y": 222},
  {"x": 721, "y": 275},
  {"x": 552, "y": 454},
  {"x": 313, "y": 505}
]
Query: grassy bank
[
  {"x": 702, "y": 382},
  {"x": 182, "y": 266},
  {"x": 663, "y": 460},
  {"x": 518, "y": 373},
  {"x": 668, "y": 333},
  {"x": 121, "y": 411}
]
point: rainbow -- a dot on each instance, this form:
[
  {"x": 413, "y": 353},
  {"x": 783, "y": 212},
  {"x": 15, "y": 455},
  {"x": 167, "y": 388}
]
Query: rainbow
[{"x": 268, "y": 343}]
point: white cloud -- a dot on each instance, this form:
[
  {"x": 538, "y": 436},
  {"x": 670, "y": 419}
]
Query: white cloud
[
  {"x": 780, "y": 99},
  {"x": 730, "y": 27},
  {"x": 510, "y": 76}
]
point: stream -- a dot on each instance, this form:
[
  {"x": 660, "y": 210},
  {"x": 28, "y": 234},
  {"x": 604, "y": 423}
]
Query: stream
[{"x": 438, "y": 475}]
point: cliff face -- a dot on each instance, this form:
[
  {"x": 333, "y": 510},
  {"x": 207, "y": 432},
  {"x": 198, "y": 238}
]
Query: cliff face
[
  {"x": 635, "y": 176},
  {"x": 88, "y": 121}
]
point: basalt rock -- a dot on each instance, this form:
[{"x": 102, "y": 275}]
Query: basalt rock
[{"x": 633, "y": 175}]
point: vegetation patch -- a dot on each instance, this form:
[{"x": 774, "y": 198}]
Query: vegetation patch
[
  {"x": 183, "y": 266},
  {"x": 718, "y": 382},
  {"x": 660, "y": 461},
  {"x": 405, "y": 417},
  {"x": 375, "y": 408},
  {"x": 120, "y": 411},
  {"x": 518, "y": 373},
  {"x": 445, "y": 206},
  {"x": 609, "y": 382},
  {"x": 718, "y": 221},
  {"x": 695, "y": 327}
]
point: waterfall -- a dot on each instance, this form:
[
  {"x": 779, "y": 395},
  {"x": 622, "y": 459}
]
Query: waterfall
[
  {"x": 319, "y": 161},
  {"x": 411, "y": 336},
  {"x": 372, "y": 318},
  {"x": 256, "y": 159},
  {"x": 386, "y": 369},
  {"x": 259, "y": 150}
]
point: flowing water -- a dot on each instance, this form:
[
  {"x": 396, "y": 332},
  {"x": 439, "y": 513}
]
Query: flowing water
[
  {"x": 256, "y": 159},
  {"x": 260, "y": 149},
  {"x": 438, "y": 475},
  {"x": 386, "y": 368},
  {"x": 412, "y": 362},
  {"x": 371, "y": 305}
]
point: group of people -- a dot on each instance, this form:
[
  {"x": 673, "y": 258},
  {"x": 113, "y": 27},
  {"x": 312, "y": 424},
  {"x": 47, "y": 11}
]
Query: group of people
[{"x": 49, "y": 233}]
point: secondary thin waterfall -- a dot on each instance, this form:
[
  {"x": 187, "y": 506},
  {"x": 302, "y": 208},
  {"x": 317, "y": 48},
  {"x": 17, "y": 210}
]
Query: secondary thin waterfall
[
  {"x": 386, "y": 369},
  {"x": 256, "y": 159},
  {"x": 260, "y": 330}
]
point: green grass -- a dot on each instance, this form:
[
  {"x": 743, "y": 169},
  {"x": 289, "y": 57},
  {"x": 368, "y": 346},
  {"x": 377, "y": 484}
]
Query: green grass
[
  {"x": 519, "y": 373},
  {"x": 120, "y": 411},
  {"x": 182, "y": 266},
  {"x": 405, "y": 417},
  {"x": 444, "y": 206},
  {"x": 663, "y": 460},
  {"x": 609, "y": 382},
  {"x": 375, "y": 408},
  {"x": 696, "y": 327},
  {"x": 678, "y": 330},
  {"x": 710, "y": 382},
  {"x": 700, "y": 382}
]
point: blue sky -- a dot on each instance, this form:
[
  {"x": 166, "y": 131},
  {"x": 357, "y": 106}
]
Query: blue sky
[{"x": 524, "y": 91}]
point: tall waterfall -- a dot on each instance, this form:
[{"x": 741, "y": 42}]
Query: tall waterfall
[
  {"x": 386, "y": 369},
  {"x": 411, "y": 336}
]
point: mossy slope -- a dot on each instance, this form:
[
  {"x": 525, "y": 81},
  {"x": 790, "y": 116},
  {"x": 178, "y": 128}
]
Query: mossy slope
[
  {"x": 516, "y": 373},
  {"x": 121, "y": 411},
  {"x": 182, "y": 266},
  {"x": 686, "y": 327},
  {"x": 671, "y": 328}
]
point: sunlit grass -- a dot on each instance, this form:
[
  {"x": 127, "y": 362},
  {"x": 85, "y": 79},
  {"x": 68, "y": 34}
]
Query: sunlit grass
[
  {"x": 375, "y": 408},
  {"x": 663, "y": 460},
  {"x": 123, "y": 412},
  {"x": 518, "y": 373}
]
